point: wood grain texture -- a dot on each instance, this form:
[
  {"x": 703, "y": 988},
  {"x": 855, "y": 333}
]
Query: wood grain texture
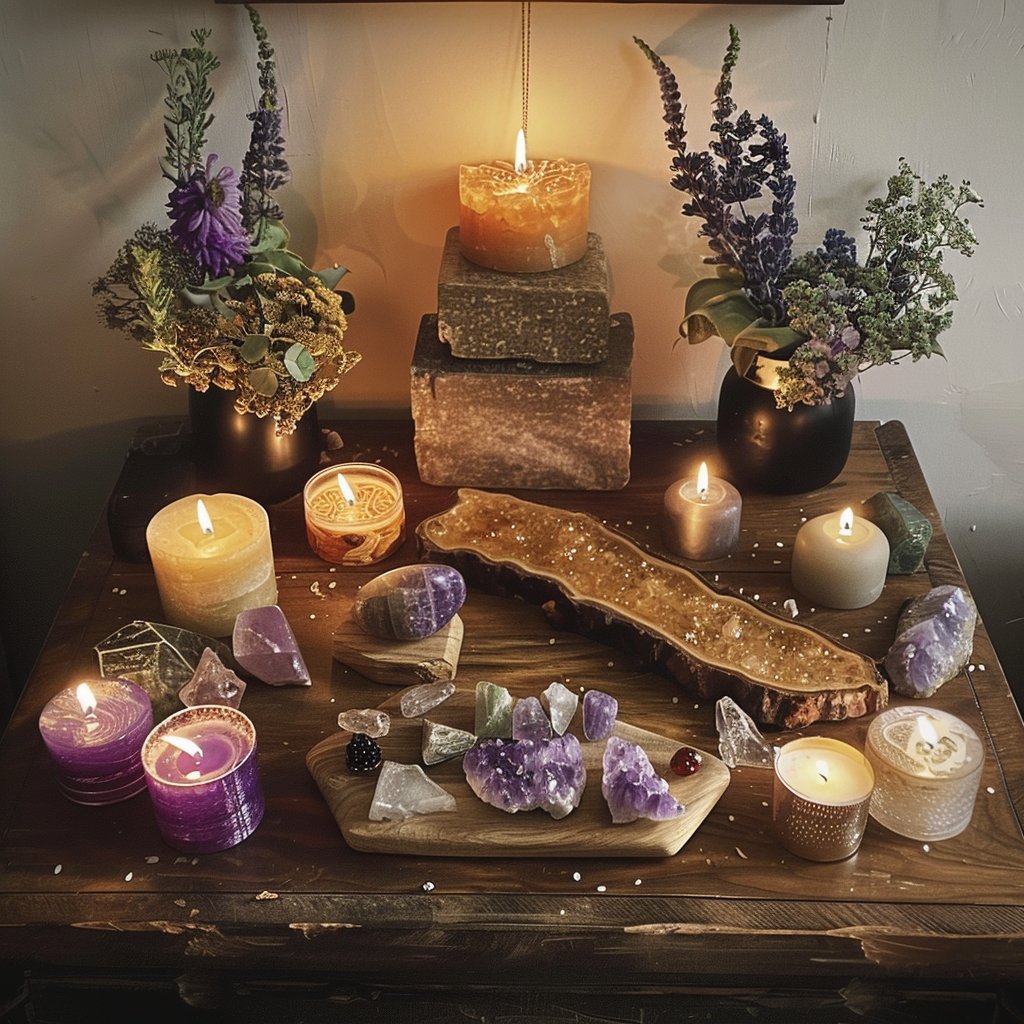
[{"x": 475, "y": 829}]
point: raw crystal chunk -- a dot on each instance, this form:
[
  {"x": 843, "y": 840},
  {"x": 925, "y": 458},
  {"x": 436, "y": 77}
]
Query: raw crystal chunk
[
  {"x": 212, "y": 683},
  {"x": 159, "y": 658},
  {"x": 739, "y": 741},
  {"x": 529, "y": 722},
  {"x": 934, "y": 639},
  {"x": 418, "y": 700},
  {"x": 631, "y": 786},
  {"x": 443, "y": 742},
  {"x": 403, "y": 790},
  {"x": 562, "y": 703},
  {"x": 411, "y": 602},
  {"x": 521, "y": 775},
  {"x": 372, "y": 721},
  {"x": 907, "y": 530},
  {"x": 600, "y": 710},
  {"x": 265, "y": 646},
  {"x": 493, "y": 712}
]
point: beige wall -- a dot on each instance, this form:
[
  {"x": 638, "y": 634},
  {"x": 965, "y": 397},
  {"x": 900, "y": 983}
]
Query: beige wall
[{"x": 385, "y": 100}]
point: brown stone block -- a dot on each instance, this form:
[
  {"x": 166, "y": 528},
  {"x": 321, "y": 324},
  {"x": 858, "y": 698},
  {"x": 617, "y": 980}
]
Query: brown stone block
[
  {"x": 555, "y": 316},
  {"x": 513, "y": 423}
]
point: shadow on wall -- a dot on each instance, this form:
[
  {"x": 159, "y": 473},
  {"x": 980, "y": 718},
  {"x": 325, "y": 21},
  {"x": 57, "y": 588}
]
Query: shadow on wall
[{"x": 53, "y": 492}]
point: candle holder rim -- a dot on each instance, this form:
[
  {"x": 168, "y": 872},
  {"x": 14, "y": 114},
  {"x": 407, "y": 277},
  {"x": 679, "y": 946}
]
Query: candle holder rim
[
  {"x": 834, "y": 744},
  {"x": 165, "y": 726}
]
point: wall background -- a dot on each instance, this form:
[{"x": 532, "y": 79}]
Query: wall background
[{"x": 383, "y": 103}]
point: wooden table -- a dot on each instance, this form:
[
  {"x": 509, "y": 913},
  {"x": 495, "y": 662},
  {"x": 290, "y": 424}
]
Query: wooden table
[{"x": 94, "y": 907}]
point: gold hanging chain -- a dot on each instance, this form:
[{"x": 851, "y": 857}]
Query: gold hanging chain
[{"x": 526, "y": 31}]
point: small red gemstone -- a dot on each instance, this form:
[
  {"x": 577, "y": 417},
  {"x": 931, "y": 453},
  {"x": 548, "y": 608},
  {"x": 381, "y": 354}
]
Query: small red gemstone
[{"x": 686, "y": 761}]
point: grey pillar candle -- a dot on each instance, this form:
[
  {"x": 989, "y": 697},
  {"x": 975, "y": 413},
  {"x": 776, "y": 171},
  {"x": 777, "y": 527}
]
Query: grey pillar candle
[{"x": 702, "y": 517}]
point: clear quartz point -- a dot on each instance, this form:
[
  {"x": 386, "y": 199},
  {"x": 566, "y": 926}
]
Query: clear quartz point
[
  {"x": 403, "y": 790},
  {"x": 562, "y": 704},
  {"x": 418, "y": 700},
  {"x": 213, "y": 683},
  {"x": 739, "y": 741},
  {"x": 371, "y": 721}
]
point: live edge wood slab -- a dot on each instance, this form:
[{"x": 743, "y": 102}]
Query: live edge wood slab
[{"x": 294, "y": 924}]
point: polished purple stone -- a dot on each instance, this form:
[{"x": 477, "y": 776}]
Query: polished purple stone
[
  {"x": 521, "y": 775},
  {"x": 600, "y": 711},
  {"x": 265, "y": 647},
  {"x": 934, "y": 640},
  {"x": 411, "y": 602},
  {"x": 632, "y": 788}
]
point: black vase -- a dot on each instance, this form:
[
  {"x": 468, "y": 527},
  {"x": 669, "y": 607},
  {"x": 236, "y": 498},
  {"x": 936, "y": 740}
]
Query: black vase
[
  {"x": 779, "y": 451},
  {"x": 240, "y": 453}
]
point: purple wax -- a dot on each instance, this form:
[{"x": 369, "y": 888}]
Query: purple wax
[
  {"x": 94, "y": 733},
  {"x": 203, "y": 777}
]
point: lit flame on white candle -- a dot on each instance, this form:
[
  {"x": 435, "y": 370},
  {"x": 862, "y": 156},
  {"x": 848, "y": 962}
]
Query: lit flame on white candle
[
  {"x": 205, "y": 522},
  {"x": 187, "y": 747},
  {"x": 702, "y": 482},
  {"x": 346, "y": 491},
  {"x": 927, "y": 731},
  {"x": 520, "y": 161},
  {"x": 846, "y": 522},
  {"x": 821, "y": 767},
  {"x": 86, "y": 698}
]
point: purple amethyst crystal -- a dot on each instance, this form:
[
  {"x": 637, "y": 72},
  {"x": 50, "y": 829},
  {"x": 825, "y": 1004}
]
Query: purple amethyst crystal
[
  {"x": 521, "y": 775},
  {"x": 529, "y": 722},
  {"x": 265, "y": 646},
  {"x": 934, "y": 639},
  {"x": 600, "y": 710},
  {"x": 411, "y": 602},
  {"x": 631, "y": 786}
]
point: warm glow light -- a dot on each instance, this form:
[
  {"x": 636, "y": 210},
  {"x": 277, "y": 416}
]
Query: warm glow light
[
  {"x": 821, "y": 767},
  {"x": 346, "y": 491},
  {"x": 205, "y": 522},
  {"x": 190, "y": 748},
  {"x": 702, "y": 481},
  {"x": 846, "y": 522},
  {"x": 520, "y": 161},
  {"x": 927, "y": 731},
  {"x": 86, "y": 698}
]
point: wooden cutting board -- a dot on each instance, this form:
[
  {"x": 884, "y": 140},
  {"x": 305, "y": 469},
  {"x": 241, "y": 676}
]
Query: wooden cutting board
[{"x": 476, "y": 829}]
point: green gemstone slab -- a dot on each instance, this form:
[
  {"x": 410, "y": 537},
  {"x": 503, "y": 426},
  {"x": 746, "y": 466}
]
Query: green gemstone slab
[{"x": 907, "y": 530}]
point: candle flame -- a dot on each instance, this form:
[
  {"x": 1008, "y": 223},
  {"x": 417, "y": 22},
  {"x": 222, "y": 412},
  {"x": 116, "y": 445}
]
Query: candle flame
[
  {"x": 346, "y": 490},
  {"x": 702, "y": 481},
  {"x": 186, "y": 746},
  {"x": 86, "y": 698},
  {"x": 846, "y": 522},
  {"x": 821, "y": 767},
  {"x": 520, "y": 161},
  {"x": 927, "y": 731},
  {"x": 205, "y": 522}
]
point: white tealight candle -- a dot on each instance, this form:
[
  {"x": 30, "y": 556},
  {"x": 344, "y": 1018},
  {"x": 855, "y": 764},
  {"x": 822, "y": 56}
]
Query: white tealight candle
[
  {"x": 703, "y": 516},
  {"x": 840, "y": 560}
]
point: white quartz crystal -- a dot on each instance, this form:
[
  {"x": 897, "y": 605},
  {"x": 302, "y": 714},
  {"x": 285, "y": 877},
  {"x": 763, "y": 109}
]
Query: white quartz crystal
[{"x": 403, "y": 790}]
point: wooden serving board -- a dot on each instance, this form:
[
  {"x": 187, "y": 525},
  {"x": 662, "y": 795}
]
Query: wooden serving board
[{"x": 476, "y": 829}]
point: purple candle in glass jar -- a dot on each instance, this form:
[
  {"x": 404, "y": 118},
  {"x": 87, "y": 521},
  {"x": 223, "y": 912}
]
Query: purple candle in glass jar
[
  {"x": 203, "y": 778},
  {"x": 94, "y": 732}
]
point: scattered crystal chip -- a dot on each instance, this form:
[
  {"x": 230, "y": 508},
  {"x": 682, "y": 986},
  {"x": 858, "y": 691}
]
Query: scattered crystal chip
[
  {"x": 404, "y": 790},
  {"x": 562, "y": 704},
  {"x": 372, "y": 721},
  {"x": 418, "y": 700}
]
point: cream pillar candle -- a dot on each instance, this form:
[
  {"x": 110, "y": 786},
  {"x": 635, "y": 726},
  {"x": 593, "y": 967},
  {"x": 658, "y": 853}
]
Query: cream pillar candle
[
  {"x": 840, "y": 561},
  {"x": 703, "y": 516},
  {"x": 212, "y": 558}
]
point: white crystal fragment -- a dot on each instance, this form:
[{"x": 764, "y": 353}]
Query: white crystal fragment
[
  {"x": 739, "y": 740},
  {"x": 442, "y": 742},
  {"x": 371, "y": 721},
  {"x": 403, "y": 790},
  {"x": 418, "y": 700},
  {"x": 562, "y": 703}
]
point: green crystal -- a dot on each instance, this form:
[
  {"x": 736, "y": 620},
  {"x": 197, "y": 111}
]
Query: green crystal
[
  {"x": 907, "y": 530},
  {"x": 493, "y": 712},
  {"x": 443, "y": 742}
]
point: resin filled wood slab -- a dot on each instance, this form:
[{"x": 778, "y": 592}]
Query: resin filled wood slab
[
  {"x": 591, "y": 579},
  {"x": 476, "y": 829}
]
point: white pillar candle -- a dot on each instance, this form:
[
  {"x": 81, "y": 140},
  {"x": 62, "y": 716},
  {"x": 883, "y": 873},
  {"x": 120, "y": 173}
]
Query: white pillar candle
[
  {"x": 820, "y": 797},
  {"x": 840, "y": 560},
  {"x": 212, "y": 558},
  {"x": 928, "y": 766},
  {"x": 703, "y": 516}
]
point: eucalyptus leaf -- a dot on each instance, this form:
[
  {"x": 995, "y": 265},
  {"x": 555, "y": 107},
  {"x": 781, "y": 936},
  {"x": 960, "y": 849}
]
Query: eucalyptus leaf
[
  {"x": 287, "y": 263},
  {"x": 272, "y": 234},
  {"x": 331, "y": 276},
  {"x": 298, "y": 362},
  {"x": 254, "y": 348},
  {"x": 263, "y": 382}
]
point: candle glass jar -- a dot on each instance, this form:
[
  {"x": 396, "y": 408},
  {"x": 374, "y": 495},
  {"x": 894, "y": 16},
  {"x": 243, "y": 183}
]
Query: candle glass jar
[
  {"x": 361, "y": 529},
  {"x": 928, "y": 778},
  {"x": 826, "y": 821},
  {"x": 210, "y": 801}
]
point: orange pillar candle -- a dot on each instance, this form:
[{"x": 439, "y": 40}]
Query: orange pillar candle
[
  {"x": 526, "y": 216},
  {"x": 354, "y": 513}
]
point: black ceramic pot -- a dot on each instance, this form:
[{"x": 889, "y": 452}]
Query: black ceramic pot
[
  {"x": 240, "y": 453},
  {"x": 778, "y": 451}
]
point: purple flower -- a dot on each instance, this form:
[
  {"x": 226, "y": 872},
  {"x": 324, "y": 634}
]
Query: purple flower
[{"x": 206, "y": 220}]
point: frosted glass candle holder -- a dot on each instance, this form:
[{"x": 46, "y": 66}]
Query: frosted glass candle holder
[{"x": 927, "y": 768}]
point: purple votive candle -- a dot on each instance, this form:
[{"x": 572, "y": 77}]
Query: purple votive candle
[
  {"x": 94, "y": 732},
  {"x": 203, "y": 778}
]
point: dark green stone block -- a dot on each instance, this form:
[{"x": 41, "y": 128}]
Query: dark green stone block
[{"x": 907, "y": 530}]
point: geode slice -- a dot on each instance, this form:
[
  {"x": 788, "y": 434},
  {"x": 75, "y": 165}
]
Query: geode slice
[
  {"x": 934, "y": 639},
  {"x": 266, "y": 648},
  {"x": 522, "y": 775},
  {"x": 600, "y": 711},
  {"x": 411, "y": 602},
  {"x": 631, "y": 786}
]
